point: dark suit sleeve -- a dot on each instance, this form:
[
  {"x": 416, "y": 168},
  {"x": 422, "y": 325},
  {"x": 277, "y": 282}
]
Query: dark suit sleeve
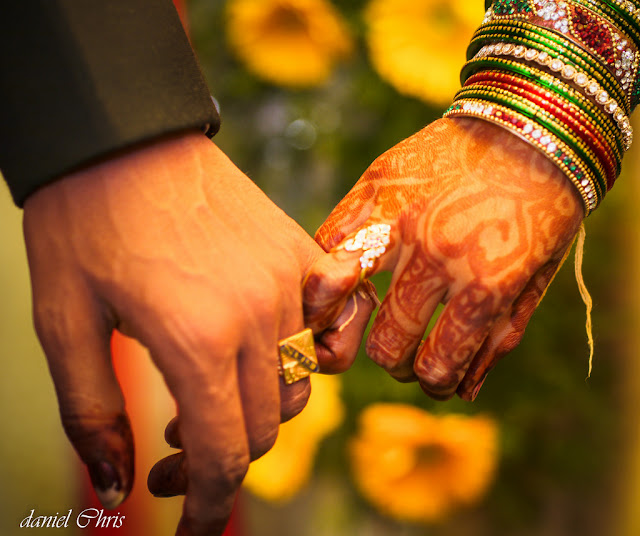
[{"x": 82, "y": 78}]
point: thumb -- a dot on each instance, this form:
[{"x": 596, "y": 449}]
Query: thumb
[
  {"x": 338, "y": 345},
  {"x": 334, "y": 277},
  {"x": 76, "y": 341}
]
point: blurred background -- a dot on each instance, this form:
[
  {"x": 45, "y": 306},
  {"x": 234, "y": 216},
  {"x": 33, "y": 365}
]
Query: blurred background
[{"x": 311, "y": 91}]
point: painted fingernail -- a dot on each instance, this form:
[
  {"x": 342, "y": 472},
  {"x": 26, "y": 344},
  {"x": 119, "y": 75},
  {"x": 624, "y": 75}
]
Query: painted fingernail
[
  {"x": 106, "y": 483},
  {"x": 476, "y": 389}
]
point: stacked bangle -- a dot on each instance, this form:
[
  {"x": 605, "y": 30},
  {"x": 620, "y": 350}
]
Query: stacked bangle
[
  {"x": 598, "y": 138},
  {"x": 556, "y": 46},
  {"x": 590, "y": 85},
  {"x": 563, "y": 76},
  {"x": 551, "y": 107},
  {"x": 613, "y": 43}
]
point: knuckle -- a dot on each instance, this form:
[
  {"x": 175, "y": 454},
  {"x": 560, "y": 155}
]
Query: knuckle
[
  {"x": 388, "y": 342},
  {"x": 509, "y": 343},
  {"x": 324, "y": 285},
  {"x": 197, "y": 334},
  {"x": 398, "y": 368},
  {"x": 52, "y": 327},
  {"x": 230, "y": 470},
  {"x": 168, "y": 476},
  {"x": 265, "y": 306}
]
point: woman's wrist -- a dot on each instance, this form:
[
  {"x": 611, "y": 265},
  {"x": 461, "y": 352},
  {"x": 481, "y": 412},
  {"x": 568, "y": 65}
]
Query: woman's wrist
[{"x": 563, "y": 76}]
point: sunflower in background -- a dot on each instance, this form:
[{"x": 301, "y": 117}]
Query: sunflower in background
[
  {"x": 419, "y": 46},
  {"x": 292, "y": 43},
  {"x": 417, "y": 467}
]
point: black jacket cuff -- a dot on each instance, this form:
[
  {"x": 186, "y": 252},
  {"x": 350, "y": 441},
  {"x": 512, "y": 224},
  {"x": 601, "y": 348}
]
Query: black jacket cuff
[{"x": 80, "y": 79}]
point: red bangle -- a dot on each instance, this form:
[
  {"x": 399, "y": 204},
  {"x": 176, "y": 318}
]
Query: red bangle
[
  {"x": 579, "y": 130},
  {"x": 572, "y": 108},
  {"x": 562, "y": 110}
]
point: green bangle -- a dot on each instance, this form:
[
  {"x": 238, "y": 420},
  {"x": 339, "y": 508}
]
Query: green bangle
[
  {"x": 588, "y": 122},
  {"x": 565, "y": 49},
  {"x": 552, "y": 83},
  {"x": 623, "y": 73},
  {"x": 493, "y": 39},
  {"x": 614, "y": 15}
]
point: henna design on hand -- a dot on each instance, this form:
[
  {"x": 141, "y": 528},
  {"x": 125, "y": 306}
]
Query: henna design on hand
[{"x": 480, "y": 221}]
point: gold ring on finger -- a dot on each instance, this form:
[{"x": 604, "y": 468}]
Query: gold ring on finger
[{"x": 298, "y": 357}]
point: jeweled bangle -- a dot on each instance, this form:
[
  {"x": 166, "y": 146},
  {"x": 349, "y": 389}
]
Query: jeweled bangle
[
  {"x": 563, "y": 90},
  {"x": 536, "y": 75},
  {"x": 566, "y": 112},
  {"x": 592, "y": 31},
  {"x": 615, "y": 46},
  {"x": 590, "y": 86},
  {"x": 538, "y": 137},
  {"x": 568, "y": 72},
  {"x": 625, "y": 8},
  {"x": 592, "y": 130},
  {"x": 556, "y": 46},
  {"x": 613, "y": 13},
  {"x": 630, "y": 19},
  {"x": 545, "y": 120},
  {"x": 577, "y": 20}
]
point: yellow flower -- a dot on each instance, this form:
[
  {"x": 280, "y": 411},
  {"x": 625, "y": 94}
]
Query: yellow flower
[
  {"x": 419, "y": 46},
  {"x": 286, "y": 468},
  {"x": 417, "y": 467},
  {"x": 292, "y": 43}
]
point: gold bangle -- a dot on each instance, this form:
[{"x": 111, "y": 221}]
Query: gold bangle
[
  {"x": 564, "y": 49},
  {"x": 590, "y": 86}
]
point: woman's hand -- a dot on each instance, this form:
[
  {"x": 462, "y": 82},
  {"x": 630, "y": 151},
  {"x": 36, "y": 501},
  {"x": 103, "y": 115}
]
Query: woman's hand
[
  {"x": 171, "y": 244},
  {"x": 480, "y": 222}
]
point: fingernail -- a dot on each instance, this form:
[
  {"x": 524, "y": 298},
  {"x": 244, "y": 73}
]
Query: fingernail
[
  {"x": 476, "y": 390},
  {"x": 163, "y": 495},
  {"x": 107, "y": 484},
  {"x": 369, "y": 290}
]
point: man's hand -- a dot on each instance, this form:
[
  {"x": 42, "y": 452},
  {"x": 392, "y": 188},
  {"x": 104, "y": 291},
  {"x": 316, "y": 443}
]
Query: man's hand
[
  {"x": 171, "y": 244},
  {"x": 480, "y": 221}
]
